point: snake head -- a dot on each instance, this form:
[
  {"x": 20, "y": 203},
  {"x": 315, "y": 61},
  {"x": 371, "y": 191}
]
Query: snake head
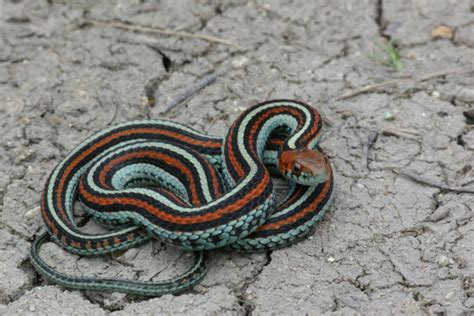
[{"x": 304, "y": 166}]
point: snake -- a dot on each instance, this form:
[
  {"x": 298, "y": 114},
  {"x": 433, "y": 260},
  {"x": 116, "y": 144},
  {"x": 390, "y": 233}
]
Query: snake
[{"x": 164, "y": 180}]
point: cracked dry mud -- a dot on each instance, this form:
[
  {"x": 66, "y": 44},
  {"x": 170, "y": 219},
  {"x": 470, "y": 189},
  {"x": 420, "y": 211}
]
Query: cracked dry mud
[{"x": 388, "y": 245}]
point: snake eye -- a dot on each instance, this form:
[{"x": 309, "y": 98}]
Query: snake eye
[{"x": 296, "y": 169}]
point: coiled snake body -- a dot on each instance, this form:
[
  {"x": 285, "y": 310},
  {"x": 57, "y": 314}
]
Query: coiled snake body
[{"x": 160, "y": 179}]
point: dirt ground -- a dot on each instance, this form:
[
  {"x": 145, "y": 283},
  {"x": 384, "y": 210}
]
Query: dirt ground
[{"x": 399, "y": 237}]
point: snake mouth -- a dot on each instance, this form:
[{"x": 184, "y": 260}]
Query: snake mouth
[{"x": 309, "y": 179}]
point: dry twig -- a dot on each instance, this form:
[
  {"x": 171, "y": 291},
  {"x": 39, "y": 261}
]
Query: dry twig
[
  {"x": 139, "y": 28},
  {"x": 189, "y": 91},
  {"x": 400, "y": 132},
  {"x": 432, "y": 183},
  {"x": 372, "y": 87}
]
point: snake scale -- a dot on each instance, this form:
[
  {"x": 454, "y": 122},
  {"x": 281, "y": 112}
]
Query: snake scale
[{"x": 160, "y": 179}]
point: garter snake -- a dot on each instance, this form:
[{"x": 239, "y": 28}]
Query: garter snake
[{"x": 161, "y": 179}]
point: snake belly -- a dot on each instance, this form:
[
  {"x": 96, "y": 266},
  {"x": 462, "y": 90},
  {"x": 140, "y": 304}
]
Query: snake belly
[{"x": 196, "y": 209}]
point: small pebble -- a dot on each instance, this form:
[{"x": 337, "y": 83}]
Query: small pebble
[
  {"x": 443, "y": 261},
  {"x": 450, "y": 295},
  {"x": 32, "y": 308},
  {"x": 30, "y": 214},
  {"x": 465, "y": 94},
  {"x": 388, "y": 116},
  {"x": 435, "y": 94},
  {"x": 442, "y": 31},
  {"x": 239, "y": 62},
  {"x": 82, "y": 93},
  {"x": 439, "y": 214},
  {"x": 331, "y": 259},
  {"x": 346, "y": 114}
]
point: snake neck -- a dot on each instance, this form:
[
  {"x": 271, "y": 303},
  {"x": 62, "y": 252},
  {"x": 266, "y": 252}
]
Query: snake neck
[{"x": 245, "y": 142}]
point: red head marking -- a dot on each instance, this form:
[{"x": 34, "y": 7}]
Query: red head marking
[{"x": 303, "y": 161}]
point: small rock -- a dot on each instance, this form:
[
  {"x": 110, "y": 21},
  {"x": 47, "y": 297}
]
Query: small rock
[
  {"x": 450, "y": 295},
  {"x": 435, "y": 94},
  {"x": 442, "y": 31},
  {"x": 239, "y": 62},
  {"x": 443, "y": 261},
  {"x": 465, "y": 94},
  {"x": 24, "y": 155},
  {"x": 32, "y": 308},
  {"x": 331, "y": 259},
  {"x": 79, "y": 210},
  {"x": 439, "y": 214},
  {"x": 346, "y": 114},
  {"x": 388, "y": 116},
  {"x": 30, "y": 214}
]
